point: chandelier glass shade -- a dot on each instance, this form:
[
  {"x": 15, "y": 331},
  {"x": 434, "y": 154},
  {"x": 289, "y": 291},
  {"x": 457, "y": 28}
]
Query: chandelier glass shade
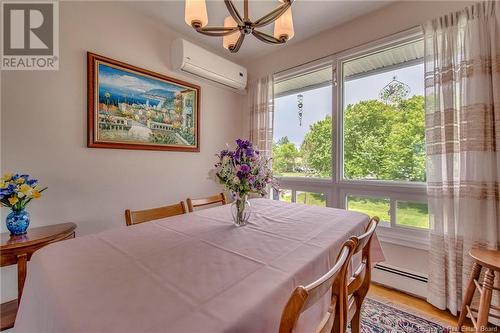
[{"x": 236, "y": 27}]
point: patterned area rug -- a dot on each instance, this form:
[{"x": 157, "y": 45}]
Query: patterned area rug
[{"x": 382, "y": 318}]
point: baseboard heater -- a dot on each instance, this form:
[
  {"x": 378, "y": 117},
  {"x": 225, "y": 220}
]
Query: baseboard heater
[{"x": 402, "y": 273}]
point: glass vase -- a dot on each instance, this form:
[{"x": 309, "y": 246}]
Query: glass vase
[
  {"x": 241, "y": 210},
  {"x": 17, "y": 222}
]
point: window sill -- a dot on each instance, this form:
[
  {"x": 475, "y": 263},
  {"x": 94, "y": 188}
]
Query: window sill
[
  {"x": 417, "y": 239},
  {"x": 305, "y": 181},
  {"x": 378, "y": 182},
  {"x": 416, "y": 187}
]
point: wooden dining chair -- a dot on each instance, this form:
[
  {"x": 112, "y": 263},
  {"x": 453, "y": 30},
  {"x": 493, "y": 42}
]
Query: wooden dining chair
[
  {"x": 303, "y": 298},
  {"x": 360, "y": 279},
  {"x": 140, "y": 216},
  {"x": 218, "y": 198}
]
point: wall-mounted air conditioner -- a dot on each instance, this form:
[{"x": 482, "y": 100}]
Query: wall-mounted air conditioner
[{"x": 190, "y": 58}]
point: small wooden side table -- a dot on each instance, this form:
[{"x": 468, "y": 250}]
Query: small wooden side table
[{"x": 18, "y": 250}]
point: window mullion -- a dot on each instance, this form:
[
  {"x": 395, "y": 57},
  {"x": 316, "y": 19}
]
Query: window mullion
[
  {"x": 392, "y": 212},
  {"x": 339, "y": 118}
]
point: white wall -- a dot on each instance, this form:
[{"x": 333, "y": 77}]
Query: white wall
[{"x": 44, "y": 127}]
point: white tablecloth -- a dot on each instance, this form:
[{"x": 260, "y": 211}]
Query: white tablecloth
[{"x": 190, "y": 273}]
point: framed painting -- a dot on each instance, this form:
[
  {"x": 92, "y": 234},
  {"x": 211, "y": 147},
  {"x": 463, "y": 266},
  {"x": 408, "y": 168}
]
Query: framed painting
[{"x": 133, "y": 108}]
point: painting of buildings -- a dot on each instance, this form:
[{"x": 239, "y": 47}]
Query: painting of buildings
[{"x": 138, "y": 109}]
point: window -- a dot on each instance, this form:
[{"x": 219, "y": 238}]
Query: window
[
  {"x": 382, "y": 130},
  {"x": 349, "y": 133},
  {"x": 383, "y": 115},
  {"x": 412, "y": 214},
  {"x": 285, "y": 195},
  {"x": 408, "y": 214},
  {"x": 302, "y": 137},
  {"x": 311, "y": 198},
  {"x": 304, "y": 197},
  {"x": 371, "y": 206}
]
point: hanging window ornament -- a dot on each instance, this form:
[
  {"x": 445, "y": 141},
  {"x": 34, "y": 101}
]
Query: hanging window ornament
[
  {"x": 394, "y": 92},
  {"x": 300, "y": 105}
]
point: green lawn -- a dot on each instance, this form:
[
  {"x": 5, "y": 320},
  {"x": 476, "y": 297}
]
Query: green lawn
[
  {"x": 371, "y": 207},
  {"x": 413, "y": 214},
  {"x": 286, "y": 195},
  {"x": 308, "y": 198},
  {"x": 409, "y": 214},
  {"x": 313, "y": 199}
]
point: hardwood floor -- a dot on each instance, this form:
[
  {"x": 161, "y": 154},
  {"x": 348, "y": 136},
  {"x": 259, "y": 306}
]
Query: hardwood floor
[{"x": 416, "y": 304}]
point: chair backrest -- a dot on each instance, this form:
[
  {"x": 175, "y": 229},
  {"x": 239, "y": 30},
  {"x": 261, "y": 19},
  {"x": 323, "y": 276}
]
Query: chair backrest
[
  {"x": 303, "y": 298},
  {"x": 193, "y": 203},
  {"x": 140, "y": 216},
  {"x": 359, "y": 281},
  {"x": 365, "y": 239}
]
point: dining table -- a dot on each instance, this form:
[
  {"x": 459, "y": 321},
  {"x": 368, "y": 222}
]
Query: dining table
[{"x": 194, "y": 272}]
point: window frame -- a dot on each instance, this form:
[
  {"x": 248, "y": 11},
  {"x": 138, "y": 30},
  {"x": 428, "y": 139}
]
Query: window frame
[
  {"x": 298, "y": 71},
  {"x": 408, "y": 36},
  {"x": 337, "y": 188}
]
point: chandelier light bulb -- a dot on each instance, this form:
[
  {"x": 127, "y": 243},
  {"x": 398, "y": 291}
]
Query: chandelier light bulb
[
  {"x": 283, "y": 26},
  {"x": 196, "y": 13},
  {"x": 230, "y": 40}
]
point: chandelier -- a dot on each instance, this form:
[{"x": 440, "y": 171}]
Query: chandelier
[{"x": 236, "y": 26}]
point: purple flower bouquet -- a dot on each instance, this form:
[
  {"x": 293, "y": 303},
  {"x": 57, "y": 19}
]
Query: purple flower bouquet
[{"x": 241, "y": 172}]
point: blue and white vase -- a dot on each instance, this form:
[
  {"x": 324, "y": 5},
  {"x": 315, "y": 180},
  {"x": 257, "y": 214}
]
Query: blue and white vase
[{"x": 18, "y": 222}]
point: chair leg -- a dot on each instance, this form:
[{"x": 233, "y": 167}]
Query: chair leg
[
  {"x": 469, "y": 294},
  {"x": 356, "y": 319},
  {"x": 338, "y": 324},
  {"x": 485, "y": 301},
  {"x": 340, "y": 321},
  {"x": 360, "y": 297}
]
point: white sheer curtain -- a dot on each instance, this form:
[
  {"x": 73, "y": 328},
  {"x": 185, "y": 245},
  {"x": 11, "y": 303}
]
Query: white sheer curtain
[
  {"x": 261, "y": 114},
  {"x": 462, "y": 65}
]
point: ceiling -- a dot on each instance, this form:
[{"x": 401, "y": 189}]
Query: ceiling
[{"x": 310, "y": 17}]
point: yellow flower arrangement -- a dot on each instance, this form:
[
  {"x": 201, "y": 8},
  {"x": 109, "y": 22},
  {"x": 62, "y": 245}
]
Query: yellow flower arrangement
[{"x": 16, "y": 191}]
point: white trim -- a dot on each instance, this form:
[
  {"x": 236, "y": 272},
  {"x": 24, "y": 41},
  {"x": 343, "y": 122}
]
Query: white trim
[
  {"x": 382, "y": 43},
  {"x": 417, "y": 239},
  {"x": 303, "y": 69},
  {"x": 306, "y": 180},
  {"x": 384, "y": 184}
]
